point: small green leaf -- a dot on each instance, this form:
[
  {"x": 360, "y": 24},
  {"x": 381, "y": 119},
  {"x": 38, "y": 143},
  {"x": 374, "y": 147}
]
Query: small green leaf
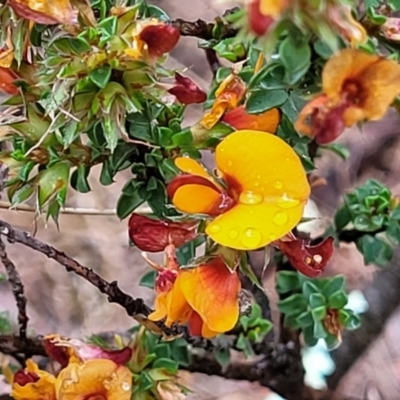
[
  {"x": 342, "y": 218},
  {"x": 79, "y": 179},
  {"x": 318, "y": 313},
  {"x": 319, "y": 331},
  {"x": 305, "y": 319},
  {"x": 338, "y": 148},
  {"x": 393, "y": 232},
  {"x": 338, "y": 300},
  {"x": 52, "y": 181},
  {"x": 309, "y": 288},
  {"x": 294, "y": 304},
  {"x": 287, "y": 281},
  {"x": 296, "y": 59},
  {"x": 395, "y": 214},
  {"x": 165, "y": 363},
  {"x": 148, "y": 279},
  {"x": 263, "y": 100},
  {"x": 375, "y": 250},
  {"x": 317, "y": 300},
  {"x": 128, "y": 204},
  {"x": 309, "y": 336},
  {"x": 222, "y": 355},
  {"x": 333, "y": 285},
  {"x": 101, "y": 76}
]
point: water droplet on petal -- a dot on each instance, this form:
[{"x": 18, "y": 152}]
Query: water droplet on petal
[
  {"x": 222, "y": 149},
  {"x": 251, "y": 238},
  {"x": 230, "y": 163},
  {"x": 233, "y": 234},
  {"x": 278, "y": 185},
  {"x": 256, "y": 183},
  {"x": 287, "y": 202},
  {"x": 215, "y": 228},
  {"x": 258, "y": 176},
  {"x": 280, "y": 218},
  {"x": 250, "y": 198},
  {"x": 272, "y": 237},
  {"x": 126, "y": 386}
]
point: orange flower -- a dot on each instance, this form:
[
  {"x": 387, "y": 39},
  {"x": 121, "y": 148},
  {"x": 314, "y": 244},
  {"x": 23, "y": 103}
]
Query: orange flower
[
  {"x": 357, "y": 86},
  {"x": 33, "y": 384},
  {"x": 263, "y": 13},
  {"x": 205, "y": 297},
  {"x": 266, "y": 190},
  {"x": 240, "y": 119},
  {"x": 44, "y": 11},
  {"x": 227, "y": 97},
  {"x": 94, "y": 379},
  {"x": 151, "y": 37}
]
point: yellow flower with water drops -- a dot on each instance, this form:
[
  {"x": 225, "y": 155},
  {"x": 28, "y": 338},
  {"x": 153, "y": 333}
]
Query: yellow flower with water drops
[{"x": 262, "y": 197}]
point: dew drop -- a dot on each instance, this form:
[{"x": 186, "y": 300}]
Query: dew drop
[
  {"x": 126, "y": 386},
  {"x": 258, "y": 176},
  {"x": 272, "y": 237},
  {"x": 251, "y": 238},
  {"x": 215, "y": 228},
  {"x": 230, "y": 163},
  {"x": 233, "y": 234},
  {"x": 222, "y": 149},
  {"x": 280, "y": 218},
  {"x": 256, "y": 183},
  {"x": 287, "y": 202},
  {"x": 250, "y": 198},
  {"x": 278, "y": 185}
]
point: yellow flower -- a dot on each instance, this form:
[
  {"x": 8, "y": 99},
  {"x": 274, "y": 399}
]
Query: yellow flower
[
  {"x": 205, "y": 297},
  {"x": 266, "y": 190},
  {"x": 96, "y": 379},
  {"x": 356, "y": 86},
  {"x": 33, "y": 384}
]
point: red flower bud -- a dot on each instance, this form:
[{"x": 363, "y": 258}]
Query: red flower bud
[
  {"x": 23, "y": 377},
  {"x": 186, "y": 91},
  {"x": 7, "y": 77},
  {"x": 160, "y": 39},
  {"x": 155, "y": 235},
  {"x": 165, "y": 280},
  {"x": 307, "y": 259}
]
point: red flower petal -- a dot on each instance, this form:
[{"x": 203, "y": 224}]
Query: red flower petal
[
  {"x": 186, "y": 91},
  {"x": 155, "y": 235},
  {"x": 160, "y": 39},
  {"x": 327, "y": 127},
  {"x": 258, "y": 22},
  {"x": 90, "y": 352},
  {"x": 165, "y": 280},
  {"x": 307, "y": 259},
  {"x": 7, "y": 77},
  {"x": 57, "y": 353},
  {"x": 23, "y": 377}
]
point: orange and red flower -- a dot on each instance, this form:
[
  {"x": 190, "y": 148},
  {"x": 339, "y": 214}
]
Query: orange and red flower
[
  {"x": 356, "y": 86},
  {"x": 263, "y": 13},
  {"x": 239, "y": 119},
  {"x": 263, "y": 196},
  {"x": 205, "y": 297}
]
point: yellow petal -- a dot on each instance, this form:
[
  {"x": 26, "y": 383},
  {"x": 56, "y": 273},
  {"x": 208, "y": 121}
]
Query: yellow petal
[
  {"x": 196, "y": 199},
  {"x": 160, "y": 305},
  {"x": 212, "y": 290},
  {"x": 272, "y": 8},
  {"x": 179, "y": 309},
  {"x": 191, "y": 166},
  {"x": 102, "y": 378},
  {"x": 272, "y": 188}
]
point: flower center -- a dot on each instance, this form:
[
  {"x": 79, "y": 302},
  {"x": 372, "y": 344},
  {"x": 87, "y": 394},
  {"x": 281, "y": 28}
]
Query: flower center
[{"x": 352, "y": 92}]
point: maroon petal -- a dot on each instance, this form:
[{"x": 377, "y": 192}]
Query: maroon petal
[
  {"x": 23, "y": 377},
  {"x": 90, "y": 352},
  {"x": 155, "y": 235},
  {"x": 307, "y": 259},
  {"x": 327, "y": 126},
  {"x": 186, "y": 91},
  {"x": 56, "y": 352},
  {"x": 160, "y": 39},
  {"x": 165, "y": 280}
]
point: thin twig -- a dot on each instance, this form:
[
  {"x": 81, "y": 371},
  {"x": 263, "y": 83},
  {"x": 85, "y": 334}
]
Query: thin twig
[
  {"x": 17, "y": 288},
  {"x": 72, "y": 210}
]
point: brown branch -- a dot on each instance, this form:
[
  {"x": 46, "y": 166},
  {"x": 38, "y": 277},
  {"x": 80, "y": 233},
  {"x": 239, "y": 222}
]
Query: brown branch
[
  {"x": 13, "y": 344},
  {"x": 17, "y": 288}
]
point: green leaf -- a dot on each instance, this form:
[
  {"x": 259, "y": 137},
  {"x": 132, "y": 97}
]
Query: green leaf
[
  {"x": 393, "y": 232},
  {"x": 168, "y": 364},
  {"x": 395, "y": 214},
  {"x": 106, "y": 176},
  {"x": 322, "y": 49},
  {"x": 317, "y": 300},
  {"x": 148, "y": 279},
  {"x": 319, "y": 331},
  {"x": 394, "y": 4},
  {"x": 296, "y": 59},
  {"x": 162, "y": 350},
  {"x": 305, "y": 319},
  {"x": 127, "y": 204},
  {"x": 263, "y": 100},
  {"x": 287, "y": 281},
  {"x": 23, "y": 173},
  {"x": 375, "y": 250},
  {"x": 108, "y": 26},
  {"x": 52, "y": 181},
  {"x": 222, "y": 355},
  {"x": 23, "y": 194},
  {"x": 318, "y": 313},
  {"x": 338, "y": 300},
  {"x": 309, "y": 288},
  {"x": 100, "y": 76},
  {"x": 294, "y": 304},
  {"x": 333, "y": 285},
  {"x": 110, "y": 131},
  {"x": 145, "y": 383},
  {"x": 309, "y": 336},
  {"x": 338, "y": 148},
  {"x": 140, "y": 127},
  {"x": 79, "y": 179},
  {"x": 342, "y": 218}
]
